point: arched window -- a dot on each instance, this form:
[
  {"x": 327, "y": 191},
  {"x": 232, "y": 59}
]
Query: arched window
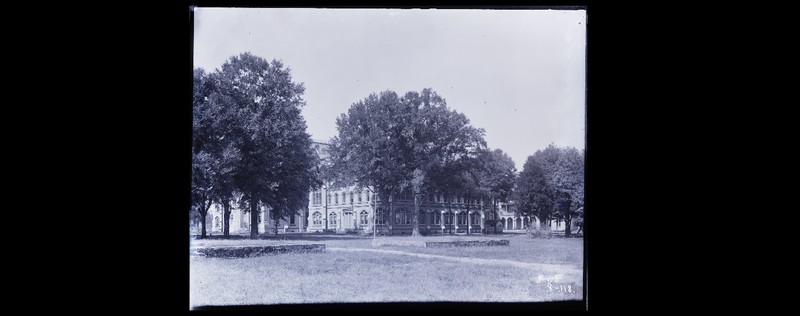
[
  {"x": 368, "y": 194},
  {"x": 351, "y": 197},
  {"x": 462, "y": 218},
  {"x": 317, "y": 218},
  {"x": 336, "y": 198},
  {"x": 448, "y": 218},
  {"x": 437, "y": 217},
  {"x": 332, "y": 219},
  {"x": 364, "y": 218},
  {"x": 216, "y": 221}
]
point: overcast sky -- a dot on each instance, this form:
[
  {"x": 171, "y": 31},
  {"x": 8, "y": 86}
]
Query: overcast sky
[{"x": 518, "y": 74}]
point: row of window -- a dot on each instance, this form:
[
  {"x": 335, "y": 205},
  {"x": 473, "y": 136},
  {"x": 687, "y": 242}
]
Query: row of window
[
  {"x": 405, "y": 217},
  {"x": 436, "y": 218},
  {"x": 437, "y": 198},
  {"x": 245, "y": 220},
  {"x": 316, "y": 218},
  {"x": 355, "y": 197}
]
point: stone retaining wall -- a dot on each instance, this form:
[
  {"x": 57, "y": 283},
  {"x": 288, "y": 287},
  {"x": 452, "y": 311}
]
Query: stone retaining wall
[{"x": 466, "y": 243}]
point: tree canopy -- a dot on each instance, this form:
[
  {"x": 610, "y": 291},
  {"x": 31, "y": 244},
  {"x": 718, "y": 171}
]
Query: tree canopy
[
  {"x": 395, "y": 143},
  {"x": 247, "y": 124},
  {"x": 551, "y": 185}
]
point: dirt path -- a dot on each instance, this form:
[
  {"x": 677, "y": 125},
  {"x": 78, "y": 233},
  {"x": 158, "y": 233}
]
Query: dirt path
[{"x": 551, "y": 268}]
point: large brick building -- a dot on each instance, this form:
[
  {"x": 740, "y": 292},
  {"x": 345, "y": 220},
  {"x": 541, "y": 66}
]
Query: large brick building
[
  {"x": 360, "y": 209},
  {"x": 353, "y": 209}
]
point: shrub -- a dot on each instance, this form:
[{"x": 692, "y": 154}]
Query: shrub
[{"x": 539, "y": 233}]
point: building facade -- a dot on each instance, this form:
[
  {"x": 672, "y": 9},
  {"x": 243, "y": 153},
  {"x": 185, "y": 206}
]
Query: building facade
[
  {"x": 354, "y": 209},
  {"x": 240, "y": 222}
]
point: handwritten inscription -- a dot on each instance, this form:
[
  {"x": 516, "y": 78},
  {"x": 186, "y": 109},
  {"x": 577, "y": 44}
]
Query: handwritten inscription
[{"x": 568, "y": 288}]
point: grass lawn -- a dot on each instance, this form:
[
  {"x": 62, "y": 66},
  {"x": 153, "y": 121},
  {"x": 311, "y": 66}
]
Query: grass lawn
[
  {"x": 521, "y": 248},
  {"x": 340, "y": 277}
]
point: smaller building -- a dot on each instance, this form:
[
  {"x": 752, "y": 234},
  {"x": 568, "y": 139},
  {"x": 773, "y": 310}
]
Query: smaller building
[
  {"x": 240, "y": 222},
  {"x": 513, "y": 222}
]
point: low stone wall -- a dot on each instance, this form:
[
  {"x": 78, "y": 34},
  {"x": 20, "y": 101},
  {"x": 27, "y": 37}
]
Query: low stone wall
[
  {"x": 466, "y": 243},
  {"x": 437, "y": 244},
  {"x": 397, "y": 242},
  {"x": 253, "y": 251}
]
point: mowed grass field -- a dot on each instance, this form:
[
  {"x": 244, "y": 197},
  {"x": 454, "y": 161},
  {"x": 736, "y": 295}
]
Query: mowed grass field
[{"x": 342, "y": 276}]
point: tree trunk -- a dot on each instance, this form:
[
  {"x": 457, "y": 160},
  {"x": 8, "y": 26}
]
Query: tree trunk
[
  {"x": 277, "y": 219},
  {"x": 469, "y": 218},
  {"x": 496, "y": 215},
  {"x": 483, "y": 221},
  {"x": 254, "y": 219},
  {"x": 414, "y": 213},
  {"x": 567, "y": 225},
  {"x": 203, "y": 224},
  {"x": 226, "y": 213},
  {"x": 452, "y": 217},
  {"x": 391, "y": 215},
  {"x": 543, "y": 223},
  {"x": 326, "y": 207},
  {"x": 203, "y": 212}
]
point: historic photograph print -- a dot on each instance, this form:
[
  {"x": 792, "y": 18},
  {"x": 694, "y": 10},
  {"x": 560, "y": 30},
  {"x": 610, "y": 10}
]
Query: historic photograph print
[{"x": 387, "y": 156}]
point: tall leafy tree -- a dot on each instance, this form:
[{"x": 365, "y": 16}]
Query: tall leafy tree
[
  {"x": 201, "y": 187},
  {"x": 535, "y": 194},
  {"x": 274, "y": 159},
  {"x": 567, "y": 180},
  {"x": 396, "y": 143},
  {"x": 489, "y": 177},
  {"x": 551, "y": 185},
  {"x": 211, "y": 155},
  {"x": 366, "y": 147},
  {"x": 434, "y": 137},
  {"x": 226, "y": 153},
  {"x": 499, "y": 175}
]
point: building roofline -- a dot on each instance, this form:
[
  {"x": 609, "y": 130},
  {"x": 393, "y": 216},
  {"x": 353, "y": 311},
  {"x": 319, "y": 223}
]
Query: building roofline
[{"x": 317, "y": 141}]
